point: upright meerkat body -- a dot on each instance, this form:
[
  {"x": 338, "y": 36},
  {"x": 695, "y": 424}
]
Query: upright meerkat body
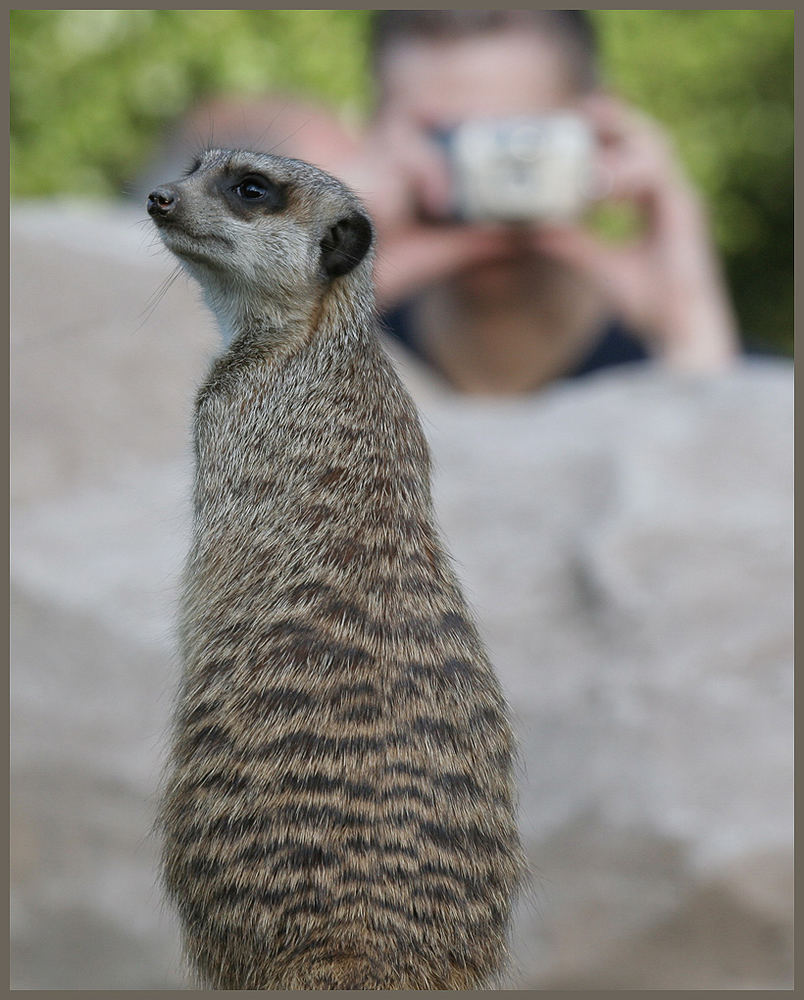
[{"x": 339, "y": 807}]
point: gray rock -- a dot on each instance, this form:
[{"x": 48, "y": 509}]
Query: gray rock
[
  {"x": 627, "y": 546},
  {"x": 626, "y": 542}
]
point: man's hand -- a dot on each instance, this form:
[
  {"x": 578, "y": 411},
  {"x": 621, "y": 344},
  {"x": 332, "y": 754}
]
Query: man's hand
[
  {"x": 667, "y": 284},
  {"x": 402, "y": 176}
]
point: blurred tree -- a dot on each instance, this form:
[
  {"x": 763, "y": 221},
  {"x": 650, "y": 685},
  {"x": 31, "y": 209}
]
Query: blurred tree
[
  {"x": 90, "y": 91},
  {"x": 721, "y": 82}
]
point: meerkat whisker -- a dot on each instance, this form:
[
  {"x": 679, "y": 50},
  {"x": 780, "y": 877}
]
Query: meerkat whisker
[{"x": 158, "y": 295}]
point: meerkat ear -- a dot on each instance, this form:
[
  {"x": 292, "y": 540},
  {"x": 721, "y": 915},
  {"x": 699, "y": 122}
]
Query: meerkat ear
[{"x": 345, "y": 244}]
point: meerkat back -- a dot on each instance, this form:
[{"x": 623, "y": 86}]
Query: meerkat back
[{"x": 338, "y": 811}]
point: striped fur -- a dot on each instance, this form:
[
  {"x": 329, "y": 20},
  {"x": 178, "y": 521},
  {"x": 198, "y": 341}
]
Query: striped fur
[{"x": 338, "y": 812}]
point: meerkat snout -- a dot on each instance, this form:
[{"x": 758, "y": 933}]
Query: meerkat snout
[{"x": 162, "y": 201}]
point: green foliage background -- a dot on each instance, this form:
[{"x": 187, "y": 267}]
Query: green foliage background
[{"x": 92, "y": 90}]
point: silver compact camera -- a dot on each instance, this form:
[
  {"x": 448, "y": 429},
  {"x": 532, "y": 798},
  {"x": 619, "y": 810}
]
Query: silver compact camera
[{"x": 522, "y": 169}]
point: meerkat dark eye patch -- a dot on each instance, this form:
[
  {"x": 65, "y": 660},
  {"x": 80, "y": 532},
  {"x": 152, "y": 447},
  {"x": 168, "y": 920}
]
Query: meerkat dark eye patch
[
  {"x": 252, "y": 189},
  {"x": 345, "y": 244},
  {"x": 257, "y": 191}
]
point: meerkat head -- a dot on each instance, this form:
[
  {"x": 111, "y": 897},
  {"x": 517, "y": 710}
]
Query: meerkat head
[{"x": 263, "y": 235}]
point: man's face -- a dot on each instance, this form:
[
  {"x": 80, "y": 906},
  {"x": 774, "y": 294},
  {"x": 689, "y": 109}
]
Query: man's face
[
  {"x": 432, "y": 85},
  {"x": 505, "y": 73}
]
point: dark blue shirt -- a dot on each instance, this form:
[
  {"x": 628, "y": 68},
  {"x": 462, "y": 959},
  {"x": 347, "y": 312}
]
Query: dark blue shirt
[{"x": 616, "y": 345}]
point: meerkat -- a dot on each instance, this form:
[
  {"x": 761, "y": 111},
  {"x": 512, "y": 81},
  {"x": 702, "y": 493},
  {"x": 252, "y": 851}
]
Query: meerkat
[{"x": 339, "y": 810}]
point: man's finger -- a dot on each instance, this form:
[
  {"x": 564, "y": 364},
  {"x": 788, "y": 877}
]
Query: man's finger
[
  {"x": 429, "y": 254},
  {"x": 573, "y": 246}
]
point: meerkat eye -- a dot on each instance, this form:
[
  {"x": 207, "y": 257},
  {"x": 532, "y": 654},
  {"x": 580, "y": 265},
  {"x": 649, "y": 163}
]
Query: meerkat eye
[
  {"x": 259, "y": 191},
  {"x": 251, "y": 188}
]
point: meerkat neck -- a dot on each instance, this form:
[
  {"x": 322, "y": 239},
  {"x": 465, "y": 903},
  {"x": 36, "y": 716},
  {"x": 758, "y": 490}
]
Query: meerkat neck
[
  {"x": 346, "y": 314},
  {"x": 283, "y": 329},
  {"x": 239, "y": 316}
]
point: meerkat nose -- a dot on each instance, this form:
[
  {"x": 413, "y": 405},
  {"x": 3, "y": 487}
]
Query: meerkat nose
[{"x": 161, "y": 202}]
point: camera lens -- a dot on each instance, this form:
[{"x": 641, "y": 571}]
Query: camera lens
[{"x": 524, "y": 141}]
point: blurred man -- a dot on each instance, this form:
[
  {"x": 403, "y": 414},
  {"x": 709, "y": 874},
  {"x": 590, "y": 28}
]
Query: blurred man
[{"x": 500, "y": 309}]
